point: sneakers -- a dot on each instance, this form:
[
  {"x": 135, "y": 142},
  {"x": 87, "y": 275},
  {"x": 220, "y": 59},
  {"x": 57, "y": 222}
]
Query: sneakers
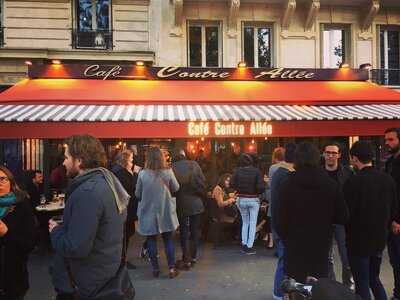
[
  {"x": 173, "y": 272},
  {"x": 250, "y": 251}
]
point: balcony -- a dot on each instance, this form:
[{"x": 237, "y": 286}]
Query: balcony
[
  {"x": 390, "y": 77},
  {"x": 94, "y": 39}
]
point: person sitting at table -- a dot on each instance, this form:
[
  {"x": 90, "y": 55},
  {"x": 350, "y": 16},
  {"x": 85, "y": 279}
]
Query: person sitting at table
[{"x": 17, "y": 237}]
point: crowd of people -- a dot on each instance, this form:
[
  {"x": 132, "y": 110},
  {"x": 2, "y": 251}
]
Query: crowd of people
[{"x": 301, "y": 207}]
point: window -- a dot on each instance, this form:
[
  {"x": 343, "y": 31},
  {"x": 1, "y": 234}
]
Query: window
[
  {"x": 256, "y": 45},
  {"x": 335, "y": 45},
  {"x": 204, "y": 45},
  {"x": 93, "y": 24},
  {"x": 1, "y": 23},
  {"x": 389, "y": 41}
]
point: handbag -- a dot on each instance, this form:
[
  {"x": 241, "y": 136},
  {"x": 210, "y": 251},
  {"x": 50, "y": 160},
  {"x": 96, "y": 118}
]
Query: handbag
[{"x": 119, "y": 287}]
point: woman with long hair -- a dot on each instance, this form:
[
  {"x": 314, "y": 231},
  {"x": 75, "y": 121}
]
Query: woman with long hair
[
  {"x": 17, "y": 237},
  {"x": 249, "y": 184},
  {"x": 157, "y": 207}
]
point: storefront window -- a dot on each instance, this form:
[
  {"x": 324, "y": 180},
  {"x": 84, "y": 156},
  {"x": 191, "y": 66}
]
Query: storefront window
[
  {"x": 335, "y": 45},
  {"x": 93, "y": 24},
  {"x": 204, "y": 45},
  {"x": 257, "y": 46},
  {"x": 389, "y": 40}
]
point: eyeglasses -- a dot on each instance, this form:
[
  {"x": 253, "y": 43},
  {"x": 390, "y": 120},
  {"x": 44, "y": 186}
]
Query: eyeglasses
[
  {"x": 331, "y": 153},
  {"x": 4, "y": 179}
]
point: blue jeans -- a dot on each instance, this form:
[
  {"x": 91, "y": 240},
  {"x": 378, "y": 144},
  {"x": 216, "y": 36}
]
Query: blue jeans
[
  {"x": 279, "y": 273},
  {"x": 394, "y": 256},
  {"x": 151, "y": 244},
  {"x": 339, "y": 235},
  {"x": 248, "y": 208},
  {"x": 366, "y": 276},
  {"x": 189, "y": 236}
]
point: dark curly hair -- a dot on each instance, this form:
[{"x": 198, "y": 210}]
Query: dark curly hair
[{"x": 88, "y": 149}]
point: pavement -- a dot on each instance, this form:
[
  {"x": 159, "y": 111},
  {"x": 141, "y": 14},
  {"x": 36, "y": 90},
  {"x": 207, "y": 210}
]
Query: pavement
[{"x": 222, "y": 273}]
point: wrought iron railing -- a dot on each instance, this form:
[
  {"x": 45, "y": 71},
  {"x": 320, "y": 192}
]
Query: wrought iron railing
[
  {"x": 386, "y": 76},
  {"x": 94, "y": 39}
]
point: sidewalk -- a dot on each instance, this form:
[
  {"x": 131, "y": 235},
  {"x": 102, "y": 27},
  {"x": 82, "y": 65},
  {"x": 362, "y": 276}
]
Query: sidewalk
[{"x": 224, "y": 273}]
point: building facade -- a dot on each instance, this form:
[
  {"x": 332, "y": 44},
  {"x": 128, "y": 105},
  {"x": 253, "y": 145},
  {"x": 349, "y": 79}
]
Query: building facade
[{"x": 213, "y": 33}]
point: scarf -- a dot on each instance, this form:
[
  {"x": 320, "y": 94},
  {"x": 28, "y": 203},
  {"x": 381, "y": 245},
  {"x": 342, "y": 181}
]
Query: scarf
[
  {"x": 5, "y": 202},
  {"x": 120, "y": 194}
]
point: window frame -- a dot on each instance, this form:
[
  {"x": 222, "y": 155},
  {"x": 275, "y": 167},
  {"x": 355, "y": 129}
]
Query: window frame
[
  {"x": 203, "y": 25},
  {"x": 256, "y": 26},
  {"x": 76, "y": 18},
  {"x": 348, "y": 57},
  {"x": 386, "y": 28},
  {"x": 2, "y": 42}
]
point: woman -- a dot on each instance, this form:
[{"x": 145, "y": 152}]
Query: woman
[
  {"x": 224, "y": 195},
  {"x": 17, "y": 237},
  {"x": 248, "y": 183},
  {"x": 128, "y": 180},
  {"x": 157, "y": 208}
]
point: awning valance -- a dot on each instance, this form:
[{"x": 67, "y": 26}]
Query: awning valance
[{"x": 187, "y": 113}]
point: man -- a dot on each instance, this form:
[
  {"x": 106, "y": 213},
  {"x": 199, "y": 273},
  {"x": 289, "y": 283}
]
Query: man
[
  {"x": 89, "y": 242},
  {"x": 340, "y": 174},
  {"x": 34, "y": 186},
  {"x": 189, "y": 202},
  {"x": 310, "y": 203},
  {"x": 280, "y": 175},
  {"x": 371, "y": 198},
  {"x": 392, "y": 142}
]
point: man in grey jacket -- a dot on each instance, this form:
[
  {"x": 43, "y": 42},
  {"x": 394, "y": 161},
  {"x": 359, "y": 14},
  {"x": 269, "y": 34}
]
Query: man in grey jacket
[
  {"x": 189, "y": 202},
  {"x": 90, "y": 240}
]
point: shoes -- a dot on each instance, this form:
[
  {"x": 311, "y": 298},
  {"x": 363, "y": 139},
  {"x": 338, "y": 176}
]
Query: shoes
[
  {"x": 173, "y": 272},
  {"x": 181, "y": 265},
  {"x": 250, "y": 251},
  {"x": 130, "y": 266},
  {"x": 193, "y": 262},
  {"x": 243, "y": 249},
  {"x": 144, "y": 254},
  {"x": 156, "y": 273}
]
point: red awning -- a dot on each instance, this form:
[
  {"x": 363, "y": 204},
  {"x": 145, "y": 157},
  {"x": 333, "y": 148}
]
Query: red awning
[{"x": 83, "y": 91}]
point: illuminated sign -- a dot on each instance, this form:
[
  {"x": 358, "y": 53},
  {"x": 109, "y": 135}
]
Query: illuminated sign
[
  {"x": 129, "y": 72},
  {"x": 220, "y": 129}
]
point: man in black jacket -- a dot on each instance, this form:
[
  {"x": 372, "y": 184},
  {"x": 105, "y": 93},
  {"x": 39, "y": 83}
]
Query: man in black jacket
[
  {"x": 189, "y": 202},
  {"x": 392, "y": 142},
  {"x": 340, "y": 174},
  {"x": 371, "y": 198}
]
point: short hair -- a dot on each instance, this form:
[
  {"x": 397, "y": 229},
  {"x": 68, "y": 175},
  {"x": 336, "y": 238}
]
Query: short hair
[
  {"x": 88, "y": 149},
  {"x": 290, "y": 150},
  {"x": 306, "y": 155},
  {"x": 245, "y": 160},
  {"x": 278, "y": 154},
  {"x": 333, "y": 143},
  {"x": 363, "y": 151},
  {"x": 179, "y": 154},
  {"x": 394, "y": 129},
  {"x": 155, "y": 159},
  {"x": 123, "y": 157}
]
